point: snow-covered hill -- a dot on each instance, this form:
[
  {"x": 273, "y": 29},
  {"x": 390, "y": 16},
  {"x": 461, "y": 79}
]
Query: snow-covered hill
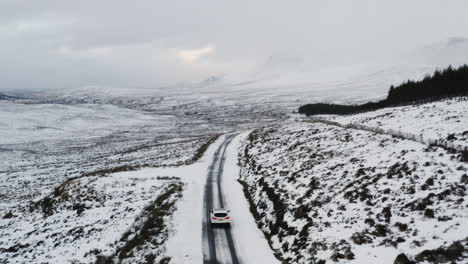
[
  {"x": 62, "y": 198},
  {"x": 334, "y": 195},
  {"x": 42, "y": 145},
  {"x": 445, "y": 121},
  {"x": 119, "y": 217},
  {"x": 6, "y": 97}
]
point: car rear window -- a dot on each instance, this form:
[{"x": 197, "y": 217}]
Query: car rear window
[{"x": 220, "y": 214}]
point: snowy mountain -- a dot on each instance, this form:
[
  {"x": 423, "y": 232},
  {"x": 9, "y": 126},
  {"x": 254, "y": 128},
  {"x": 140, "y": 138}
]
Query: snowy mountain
[{"x": 287, "y": 79}]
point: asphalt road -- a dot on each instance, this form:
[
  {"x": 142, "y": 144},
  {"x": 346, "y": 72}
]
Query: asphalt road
[{"x": 218, "y": 244}]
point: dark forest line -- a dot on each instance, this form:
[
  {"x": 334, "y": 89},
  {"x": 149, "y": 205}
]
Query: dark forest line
[{"x": 442, "y": 84}]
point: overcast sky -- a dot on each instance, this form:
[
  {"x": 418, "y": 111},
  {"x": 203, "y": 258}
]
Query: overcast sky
[{"x": 60, "y": 44}]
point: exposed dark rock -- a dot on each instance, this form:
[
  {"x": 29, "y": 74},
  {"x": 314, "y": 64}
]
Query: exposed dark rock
[
  {"x": 386, "y": 214},
  {"x": 165, "y": 260},
  {"x": 16, "y": 248},
  {"x": 400, "y": 240},
  {"x": 104, "y": 260},
  {"x": 362, "y": 194},
  {"x": 369, "y": 221},
  {"x": 361, "y": 238},
  {"x": 336, "y": 256},
  {"x": 464, "y": 179},
  {"x": 444, "y": 218},
  {"x": 429, "y": 213},
  {"x": 348, "y": 254},
  {"x": 422, "y": 204},
  {"x": 451, "y": 137},
  {"x": 403, "y": 259},
  {"x": 301, "y": 211},
  {"x": 79, "y": 208},
  {"x": 8, "y": 215},
  {"x": 429, "y": 182},
  {"x": 402, "y": 227},
  {"x": 380, "y": 230},
  {"x": 411, "y": 190},
  {"x": 464, "y": 156},
  {"x": 443, "y": 255}
]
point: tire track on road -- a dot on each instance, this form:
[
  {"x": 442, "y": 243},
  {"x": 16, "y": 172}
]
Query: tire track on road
[{"x": 210, "y": 254}]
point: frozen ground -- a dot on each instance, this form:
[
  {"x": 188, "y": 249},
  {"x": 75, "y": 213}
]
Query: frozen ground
[
  {"x": 84, "y": 144},
  {"x": 124, "y": 142},
  {"x": 65, "y": 195},
  {"x": 445, "y": 120},
  {"x": 325, "y": 193},
  {"x": 100, "y": 216},
  {"x": 91, "y": 217},
  {"x": 29, "y": 123},
  {"x": 250, "y": 243},
  {"x": 41, "y": 145},
  {"x": 55, "y": 135},
  {"x": 338, "y": 178}
]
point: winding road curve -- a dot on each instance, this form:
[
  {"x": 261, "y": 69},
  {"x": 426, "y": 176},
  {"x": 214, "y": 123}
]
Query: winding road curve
[{"x": 218, "y": 244}]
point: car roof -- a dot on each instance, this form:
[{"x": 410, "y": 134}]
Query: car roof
[{"x": 219, "y": 210}]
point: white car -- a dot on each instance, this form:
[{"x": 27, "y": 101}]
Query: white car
[{"x": 220, "y": 216}]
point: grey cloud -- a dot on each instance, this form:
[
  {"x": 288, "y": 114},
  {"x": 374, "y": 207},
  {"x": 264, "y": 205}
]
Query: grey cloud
[{"x": 59, "y": 44}]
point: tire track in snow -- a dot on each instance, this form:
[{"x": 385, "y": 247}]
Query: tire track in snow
[{"x": 218, "y": 246}]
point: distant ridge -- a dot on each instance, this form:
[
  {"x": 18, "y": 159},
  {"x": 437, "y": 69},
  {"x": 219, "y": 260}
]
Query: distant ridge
[
  {"x": 6, "y": 97},
  {"x": 443, "y": 84}
]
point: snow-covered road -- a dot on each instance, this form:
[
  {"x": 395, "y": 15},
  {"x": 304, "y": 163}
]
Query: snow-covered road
[
  {"x": 243, "y": 242},
  {"x": 212, "y": 182},
  {"x": 218, "y": 245}
]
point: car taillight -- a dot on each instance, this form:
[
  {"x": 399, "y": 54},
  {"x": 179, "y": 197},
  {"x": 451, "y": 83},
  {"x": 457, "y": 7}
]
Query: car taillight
[
  {"x": 227, "y": 217},
  {"x": 214, "y": 218}
]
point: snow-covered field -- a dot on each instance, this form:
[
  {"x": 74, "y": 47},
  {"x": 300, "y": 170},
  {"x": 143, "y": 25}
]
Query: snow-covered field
[
  {"x": 84, "y": 139},
  {"x": 331, "y": 194},
  {"x": 84, "y": 172},
  {"x": 81, "y": 180},
  {"x": 443, "y": 121},
  {"x": 44, "y": 144},
  {"x": 29, "y": 123},
  {"x": 72, "y": 186},
  {"x": 90, "y": 217},
  {"x": 108, "y": 173}
]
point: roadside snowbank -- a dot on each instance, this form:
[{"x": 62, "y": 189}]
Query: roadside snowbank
[
  {"x": 250, "y": 243},
  {"x": 328, "y": 193}
]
